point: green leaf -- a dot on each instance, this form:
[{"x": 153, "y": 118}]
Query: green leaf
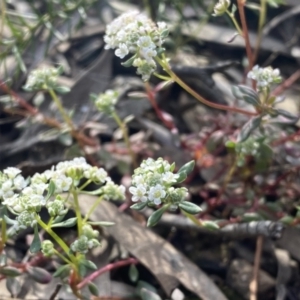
[
  {"x": 36, "y": 242},
  {"x": 287, "y": 220},
  {"x": 233, "y": 9},
  {"x": 236, "y": 92},
  {"x": 129, "y": 62},
  {"x": 247, "y": 94},
  {"x": 39, "y": 275},
  {"x": 13, "y": 286},
  {"x": 138, "y": 206},
  {"x": 82, "y": 269},
  {"x": 210, "y": 225},
  {"x": 189, "y": 207},
  {"x": 248, "y": 128},
  {"x": 149, "y": 295},
  {"x": 133, "y": 273},
  {"x": 182, "y": 177},
  {"x": 10, "y": 271},
  {"x": 51, "y": 190},
  {"x": 62, "y": 89},
  {"x": 253, "y": 216},
  {"x": 3, "y": 260},
  {"x": 102, "y": 223},
  {"x": 58, "y": 219},
  {"x": 89, "y": 264},
  {"x": 155, "y": 217},
  {"x": 143, "y": 284},
  {"x": 287, "y": 114},
  {"x": 62, "y": 271},
  {"x": 68, "y": 223},
  {"x": 93, "y": 289},
  {"x": 187, "y": 168},
  {"x": 8, "y": 220},
  {"x": 230, "y": 144}
]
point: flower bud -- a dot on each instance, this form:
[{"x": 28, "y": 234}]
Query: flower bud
[{"x": 221, "y": 7}]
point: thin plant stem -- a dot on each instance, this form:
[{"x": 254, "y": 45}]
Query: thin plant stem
[
  {"x": 85, "y": 184},
  {"x": 105, "y": 269},
  {"x": 62, "y": 257},
  {"x": 167, "y": 69},
  {"x": 58, "y": 240},
  {"x": 62, "y": 110},
  {"x": 241, "y": 4},
  {"x": 124, "y": 130},
  {"x": 3, "y": 235},
  {"x": 261, "y": 22},
  {"x": 235, "y": 23},
  {"x": 77, "y": 212},
  {"x": 96, "y": 203}
]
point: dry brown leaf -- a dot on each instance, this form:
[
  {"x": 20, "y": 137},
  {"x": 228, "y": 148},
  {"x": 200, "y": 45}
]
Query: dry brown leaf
[{"x": 160, "y": 257}]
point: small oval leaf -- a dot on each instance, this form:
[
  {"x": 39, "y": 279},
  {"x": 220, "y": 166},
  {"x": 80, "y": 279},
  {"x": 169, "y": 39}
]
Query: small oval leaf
[
  {"x": 138, "y": 206},
  {"x": 148, "y": 295},
  {"x": 287, "y": 114},
  {"x": 129, "y": 62},
  {"x": 133, "y": 273},
  {"x": 13, "y": 286},
  {"x": 68, "y": 223},
  {"x": 93, "y": 289},
  {"x": 210, "y": 225},
  {"x": 36, "y": 242},
  {"x": 155, "y": 217},
  {"x": 39, "y": 275},
  {"x": 189, "y": 207},
  {"x": 187, "y": 168},
  {"x": 10, "y": 271},
  {"x": 248, "y": 128},
  {"x": 100, "y": 223},
  {"x": 62, "y": 271},
  {"x": 89, "y": 264}
]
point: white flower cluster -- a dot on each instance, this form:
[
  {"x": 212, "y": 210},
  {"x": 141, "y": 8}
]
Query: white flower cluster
[
  {"x": 42, "y": 79},
  {"x": 152, "y": 183},
  {"x": 264, "y": 77},
  {"x": 221, "y": 7},
  {"x": 25, "y": 198},
  {"x": 106, "y": 102},
  {"x": 136, "y": 34}
]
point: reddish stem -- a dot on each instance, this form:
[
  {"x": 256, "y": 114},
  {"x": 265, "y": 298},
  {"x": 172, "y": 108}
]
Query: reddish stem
[
  {"x": 158, "y": 112},
  {"x": 4, "y": 87},
  {"x": 241, "y": 4},
  {"x": 107, "y": 268}
]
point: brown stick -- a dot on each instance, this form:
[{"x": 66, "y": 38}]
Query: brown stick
[{"x": 253, "y": 286}]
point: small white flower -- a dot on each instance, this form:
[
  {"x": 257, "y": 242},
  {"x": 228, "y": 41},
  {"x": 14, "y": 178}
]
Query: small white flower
[
  {"x": 146, "y": 42},
  {"x": 139, "y": 193},
  {"x": 148, "y": 53},
  {"x": 264, "y": 77},
  {"x": 19, "y": 182},
  {"x": 122, "y": 51},
  {"x": 170, "y": 177},
  {"x": 62, "y": 183},
  {"x": 40, "y": 188},
  {"x": 12, "y": 172},
  {"x": 156, "y": 193},
  {"x": 162, "y": 25},
  {"x": 7, "y": 185},
  {"x": 138, "y": 180}
]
